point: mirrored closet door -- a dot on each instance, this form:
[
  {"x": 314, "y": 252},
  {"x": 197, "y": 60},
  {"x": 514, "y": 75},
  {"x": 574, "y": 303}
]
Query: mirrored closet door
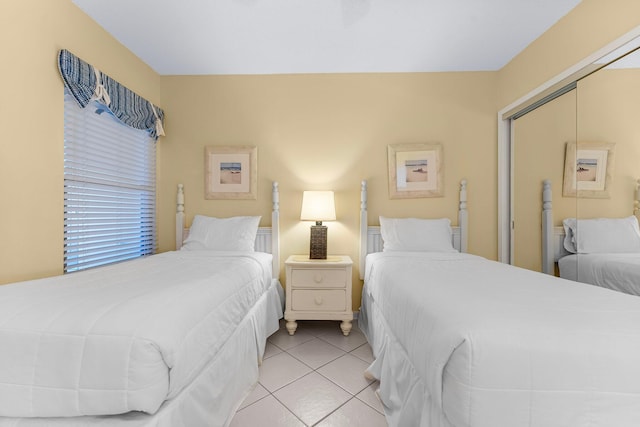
[{"x": 603, "y": 110}]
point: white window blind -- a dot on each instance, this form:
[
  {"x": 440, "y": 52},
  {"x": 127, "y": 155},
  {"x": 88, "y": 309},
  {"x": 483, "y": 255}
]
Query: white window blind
[{"x": 109, "y": 188}]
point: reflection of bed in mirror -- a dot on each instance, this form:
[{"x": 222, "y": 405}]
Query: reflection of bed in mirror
[{"x": 598, "y": 251}]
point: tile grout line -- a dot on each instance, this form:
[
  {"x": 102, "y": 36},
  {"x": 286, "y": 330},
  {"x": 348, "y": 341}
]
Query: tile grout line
[
  {"x": 352, "y": 396},
  {"x": 285, "y": 406},
  {"x": 327, "y": 416},
  {"x": 315, "y": 370}
]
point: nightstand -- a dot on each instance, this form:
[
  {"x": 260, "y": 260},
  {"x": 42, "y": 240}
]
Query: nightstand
[{"x": 318, "y": 289}]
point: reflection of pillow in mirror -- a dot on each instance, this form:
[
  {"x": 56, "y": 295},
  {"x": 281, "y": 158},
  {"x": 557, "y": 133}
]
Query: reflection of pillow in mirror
[
  {"x": 606, "y": 235},
  {"x": 569, "y": 243},
  {"x": 236, "y": 233},
  {"x": 416, "y": 235}
]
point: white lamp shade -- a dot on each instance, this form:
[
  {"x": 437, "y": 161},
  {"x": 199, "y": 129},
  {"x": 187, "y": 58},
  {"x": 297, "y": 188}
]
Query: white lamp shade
[{"x": 318, "y": 206}]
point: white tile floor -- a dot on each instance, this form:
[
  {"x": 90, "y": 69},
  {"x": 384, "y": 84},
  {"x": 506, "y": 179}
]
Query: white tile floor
[{"x": 313, "y": 378}]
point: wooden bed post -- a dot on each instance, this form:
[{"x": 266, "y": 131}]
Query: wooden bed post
[
  {"x": 463, "y": 216},
  {"x": 364, "y": 222},
  {"x": 275, "y": 229},
  {"x": 547, "y": 229},
  {"x": 179, "y": 216}
]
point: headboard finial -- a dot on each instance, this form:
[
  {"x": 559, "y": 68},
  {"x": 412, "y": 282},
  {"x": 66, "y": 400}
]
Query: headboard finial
[
  {"x": 546, "y": 195},
  {"x": 275, "y": 196},
  {"x": 463, "y": 194},
  {"x": 363, "y": 195},
  {"x": 180, "y": 199}
]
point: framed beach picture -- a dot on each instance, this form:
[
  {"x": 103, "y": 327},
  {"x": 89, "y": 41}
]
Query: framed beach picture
[
  {"x": 588, "y": 169},
  {"x": 231, "y": 172},
  {"x": 415, "y": 170}
]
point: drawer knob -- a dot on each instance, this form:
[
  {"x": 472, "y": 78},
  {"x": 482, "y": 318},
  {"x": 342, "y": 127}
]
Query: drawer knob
[
  {"x": 318, "y": 300},
  {"x": 317, "y": 277}
]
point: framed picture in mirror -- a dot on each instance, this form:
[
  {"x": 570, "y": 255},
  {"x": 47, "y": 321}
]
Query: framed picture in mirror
[{"x": 588, "y": 169}]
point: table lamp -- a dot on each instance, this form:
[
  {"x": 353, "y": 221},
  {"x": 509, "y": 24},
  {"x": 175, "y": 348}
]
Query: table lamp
[{"x": 318, "y": 206}]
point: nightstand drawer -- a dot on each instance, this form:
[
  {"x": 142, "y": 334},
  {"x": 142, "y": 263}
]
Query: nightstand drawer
[
  {"x": 318, "y": 300},
  {"x": 312, "y": 278}
]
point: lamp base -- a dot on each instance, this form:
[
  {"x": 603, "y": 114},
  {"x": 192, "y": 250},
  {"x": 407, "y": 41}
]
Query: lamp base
[{"x": 318, "y": 242}]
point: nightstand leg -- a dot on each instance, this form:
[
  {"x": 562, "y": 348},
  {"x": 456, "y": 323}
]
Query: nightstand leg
[
  {"x": 292, "y": 325},
  {"x": 346, "y": 327}
]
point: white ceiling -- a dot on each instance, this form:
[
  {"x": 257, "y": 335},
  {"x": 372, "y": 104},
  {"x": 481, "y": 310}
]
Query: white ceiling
[{"x": 177, "y": 37}]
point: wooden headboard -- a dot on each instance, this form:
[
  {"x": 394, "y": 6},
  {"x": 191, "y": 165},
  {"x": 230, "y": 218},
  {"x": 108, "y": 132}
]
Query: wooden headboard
[
  {"x": 371, "y": 239},
  {"x": 267, "y": 238}
]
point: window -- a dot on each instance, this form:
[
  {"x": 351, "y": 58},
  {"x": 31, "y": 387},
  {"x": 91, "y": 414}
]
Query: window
[{"x": 109, "y": 188}]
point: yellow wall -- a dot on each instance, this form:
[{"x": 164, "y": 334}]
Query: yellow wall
[
  {"x": 31, "y": 120},
  {"x": 588, "y": 27},
  {"x": 331, "y": 132}
]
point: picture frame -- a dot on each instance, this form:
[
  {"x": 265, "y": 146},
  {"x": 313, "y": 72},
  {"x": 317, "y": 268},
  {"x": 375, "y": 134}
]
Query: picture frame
[
  {"x": 231, "y": 172},
  {"x": 415, "y": 170},
  {"x": 588, "y": 169}
]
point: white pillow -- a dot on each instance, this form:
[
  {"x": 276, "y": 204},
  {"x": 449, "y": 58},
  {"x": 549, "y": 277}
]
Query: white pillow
[
  {"x": 236, "y": 233},
  {"x": 569, "y": 243},
  {"x": 416, "y": 235},
  {"x": 606, "y": 235}
]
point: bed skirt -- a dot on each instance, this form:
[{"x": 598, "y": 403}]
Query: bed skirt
[
  {"x": 402, "y": 392},
  {"x": 214, "y": 396}
]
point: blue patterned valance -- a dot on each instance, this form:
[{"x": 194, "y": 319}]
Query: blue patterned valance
[{"x": 87, "y": 83}]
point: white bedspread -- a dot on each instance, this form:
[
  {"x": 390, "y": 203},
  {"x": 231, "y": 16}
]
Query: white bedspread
[
  {"x": 485, "y": 344},
  {"x": 121, "y": 338},
  {"x": 619, "y": 271}
]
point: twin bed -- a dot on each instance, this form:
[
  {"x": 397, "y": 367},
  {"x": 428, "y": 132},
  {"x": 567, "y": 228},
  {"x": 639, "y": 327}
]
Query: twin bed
[
  {"x": 173, "y": 339},
  {"x": 460, "y": 340}
]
